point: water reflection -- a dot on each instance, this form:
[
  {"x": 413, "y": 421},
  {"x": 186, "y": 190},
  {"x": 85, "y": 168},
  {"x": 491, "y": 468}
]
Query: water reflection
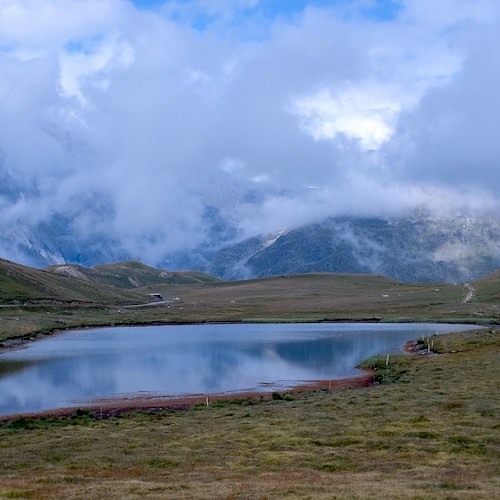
[{"x": 74, "y": 367}]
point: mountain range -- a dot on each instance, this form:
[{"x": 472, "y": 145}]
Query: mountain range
[
  {"x": 419, "y": 247},
  {"x": 413, "y": 249}
]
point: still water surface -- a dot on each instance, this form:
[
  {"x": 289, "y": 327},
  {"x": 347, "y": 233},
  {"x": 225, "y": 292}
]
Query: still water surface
[{"x": 74, "y": 368}]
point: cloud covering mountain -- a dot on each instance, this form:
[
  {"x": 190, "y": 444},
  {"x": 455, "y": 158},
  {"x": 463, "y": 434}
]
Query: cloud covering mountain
[{"x": 139, "y": 124}]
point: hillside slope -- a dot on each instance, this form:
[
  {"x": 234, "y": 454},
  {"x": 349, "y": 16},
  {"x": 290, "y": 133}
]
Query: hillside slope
[
  {"x": 21, "y": 283},
  {"x": 487, "y": 289},
  {"x": 130, "y": 274}
]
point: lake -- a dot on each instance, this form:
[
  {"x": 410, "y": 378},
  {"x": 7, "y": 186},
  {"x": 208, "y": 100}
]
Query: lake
[{"x": 73, "y": 368}]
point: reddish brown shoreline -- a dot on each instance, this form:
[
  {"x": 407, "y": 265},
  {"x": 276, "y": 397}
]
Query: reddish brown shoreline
[{"x": 116, "y": 406}]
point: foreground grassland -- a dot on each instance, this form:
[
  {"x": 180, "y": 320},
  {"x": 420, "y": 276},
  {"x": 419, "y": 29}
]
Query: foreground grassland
[{"x": 429, "y": 430}]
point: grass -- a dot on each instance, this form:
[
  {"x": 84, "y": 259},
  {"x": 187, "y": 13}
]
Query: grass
[
  {"x": 19, "y": 284},
  {"x": 430, "y": 429}
]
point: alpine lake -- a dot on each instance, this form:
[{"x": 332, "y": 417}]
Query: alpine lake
[{"x": 79, "y": 368}]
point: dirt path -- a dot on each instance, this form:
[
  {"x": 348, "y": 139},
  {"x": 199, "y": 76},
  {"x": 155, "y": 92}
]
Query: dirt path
[
  {"x": 470, "y": 292},
  {"x": 155, "y": 303}
]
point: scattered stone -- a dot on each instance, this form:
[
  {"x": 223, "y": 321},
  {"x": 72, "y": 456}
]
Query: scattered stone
[{"x": 12, "y": 343}]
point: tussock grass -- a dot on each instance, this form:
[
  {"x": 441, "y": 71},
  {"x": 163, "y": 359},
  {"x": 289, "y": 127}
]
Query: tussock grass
[{"x": 430, "y": 429}]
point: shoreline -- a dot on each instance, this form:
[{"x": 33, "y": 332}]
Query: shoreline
[{"x": 112, "y": 407}]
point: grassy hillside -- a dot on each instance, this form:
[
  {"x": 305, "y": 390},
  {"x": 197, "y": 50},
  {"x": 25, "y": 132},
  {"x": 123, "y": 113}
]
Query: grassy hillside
[
  {"x": 21, "y": 283},
  {"x": 131, "y": 274},
  {"x": 488, "y": 289}
]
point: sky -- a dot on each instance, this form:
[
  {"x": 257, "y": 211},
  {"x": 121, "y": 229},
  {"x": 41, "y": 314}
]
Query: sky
[{"x": 133, "y": 118}]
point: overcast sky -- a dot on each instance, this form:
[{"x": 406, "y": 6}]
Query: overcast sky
[{"x": 132, "y": 116}]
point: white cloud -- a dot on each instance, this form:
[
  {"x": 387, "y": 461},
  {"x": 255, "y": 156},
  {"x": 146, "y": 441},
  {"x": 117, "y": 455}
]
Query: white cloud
[
  {"x": 232, "y": 165},
  {"x": 100, "y": 100},
  {"x": 78, "y": 67},
  {"x": 364, "y": 114}
]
